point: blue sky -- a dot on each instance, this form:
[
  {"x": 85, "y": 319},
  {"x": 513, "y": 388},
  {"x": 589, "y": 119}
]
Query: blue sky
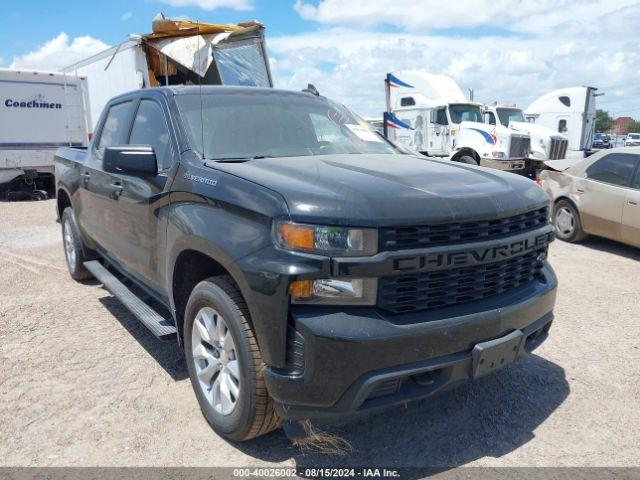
[
  {"x": 29, "y": 23},
  {"x": 510, "y": 51}
]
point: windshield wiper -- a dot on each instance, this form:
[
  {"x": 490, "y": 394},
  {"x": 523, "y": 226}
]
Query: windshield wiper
[{"x": 237, "y": 159}]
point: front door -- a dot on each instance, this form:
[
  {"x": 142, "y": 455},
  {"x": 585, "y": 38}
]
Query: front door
[
  {"x": 631, "y": 213},
  {"x": 438, "y": 132},
  {"x": 140, "y": 201},
  {"x": 604, "y": 194}
]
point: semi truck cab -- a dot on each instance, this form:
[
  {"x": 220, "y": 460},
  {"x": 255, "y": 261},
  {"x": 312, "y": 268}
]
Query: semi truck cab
[
  {"x": 430, "y": 114},
  {"x": 545, "y": 143}
]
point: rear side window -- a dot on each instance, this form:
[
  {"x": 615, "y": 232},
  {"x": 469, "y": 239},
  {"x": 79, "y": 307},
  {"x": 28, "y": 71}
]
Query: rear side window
[
  {"x": 407, "y": 102},
  {"x": 150, "y": 128},
  {"x": 566, "y": 101},
  {"x": 110, "y": 134},
  {"x": 615, "y": 168}
]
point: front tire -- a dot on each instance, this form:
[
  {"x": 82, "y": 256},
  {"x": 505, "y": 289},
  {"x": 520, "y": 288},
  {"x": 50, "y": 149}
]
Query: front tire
[
  {"x": 467, "y": 159},
  {"x": 224, "y": 362},
  {"x": 566, "y": 220},
  {"x": 73, "y": 250}
]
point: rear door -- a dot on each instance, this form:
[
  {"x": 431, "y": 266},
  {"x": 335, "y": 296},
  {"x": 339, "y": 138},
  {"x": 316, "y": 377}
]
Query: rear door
[
  {"x": 139, "y": 201},
  {"x": 603, "y": 194},
  {"x": 631, "y": 211},
  {"x": 93, "y": 210}
]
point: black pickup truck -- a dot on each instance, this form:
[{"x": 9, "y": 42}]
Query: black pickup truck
[{"x": 308, "y": 267}]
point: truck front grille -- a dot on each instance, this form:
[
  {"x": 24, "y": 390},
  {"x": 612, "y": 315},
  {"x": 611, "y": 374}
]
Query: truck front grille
[
  {"x": 520, "y": 147},
  {"x": 444, "y": 288},
  {"x": 558, "y": 148},
  {"x": 420, "y": 236}
]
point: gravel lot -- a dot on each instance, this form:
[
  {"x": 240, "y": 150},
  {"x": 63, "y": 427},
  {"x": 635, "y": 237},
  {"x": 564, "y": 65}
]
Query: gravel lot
[{"x": 83, "y": 383}]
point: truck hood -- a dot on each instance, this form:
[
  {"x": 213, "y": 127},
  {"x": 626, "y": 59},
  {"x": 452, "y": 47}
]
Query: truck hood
[
  {"x": 535, "y": 131},
  {"x": 379, "y": 190},
  {"x": 489, "y": 131}
]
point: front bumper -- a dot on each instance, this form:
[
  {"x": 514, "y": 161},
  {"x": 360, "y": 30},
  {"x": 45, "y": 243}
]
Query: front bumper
[
  {"x": 357, "y": 360},
  {"x": 505, "y": 165}
]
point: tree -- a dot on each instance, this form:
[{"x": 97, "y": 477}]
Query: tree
[
  {"x": 634, "y": 126},
  {"x": 603, "y": 121}
]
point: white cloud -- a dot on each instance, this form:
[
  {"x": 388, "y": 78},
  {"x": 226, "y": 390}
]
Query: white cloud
[
  {"x": 59, "y": 52},
  {"x": 211, "y": 4},
  {"x": 516, "y": 15},
  {"x": 570, "y": 44},
  {"x": 126, "y": 16}
]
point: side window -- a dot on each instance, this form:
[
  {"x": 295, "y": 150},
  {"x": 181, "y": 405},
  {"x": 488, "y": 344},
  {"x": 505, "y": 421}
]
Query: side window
[
  {"x": 636, "y": 181},
  {"x": 150, "y": 128},
  {"x": 109, "y": 135},
  {"x": 562, "y": 126},
  {"x": 615, "y": 168},
  {"x": 489, "y": 118},
  {"x": 407, "y": 102},
  {"x": 441, "y": 117},
  {"x": 566, "y": 101}
]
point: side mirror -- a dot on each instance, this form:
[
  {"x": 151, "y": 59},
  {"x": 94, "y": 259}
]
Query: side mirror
[{"x": 139, "y": 160}]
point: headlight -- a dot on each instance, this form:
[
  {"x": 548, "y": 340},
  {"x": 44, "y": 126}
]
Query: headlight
[
  {"x": 499, "y": 155},
  {"x": 334, "y": 291},
  {"x": 325, "y": 240}
]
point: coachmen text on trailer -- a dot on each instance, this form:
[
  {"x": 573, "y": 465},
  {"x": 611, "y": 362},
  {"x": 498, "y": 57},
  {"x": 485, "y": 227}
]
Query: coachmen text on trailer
[{"x": 39, "y": 112}]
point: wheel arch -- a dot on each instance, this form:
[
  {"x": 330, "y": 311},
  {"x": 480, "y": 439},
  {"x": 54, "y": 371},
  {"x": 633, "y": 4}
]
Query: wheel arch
[
  {"x": 193, "y": 261},
  {"x": 63, "y": 200},
  {"x": 466, "y": 151},
  {"x": 568, "y": 199}
]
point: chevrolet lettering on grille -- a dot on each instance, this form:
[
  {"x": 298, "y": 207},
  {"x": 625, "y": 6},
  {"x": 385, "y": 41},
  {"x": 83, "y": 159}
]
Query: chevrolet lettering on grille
[{"x": 476, "y": 256}]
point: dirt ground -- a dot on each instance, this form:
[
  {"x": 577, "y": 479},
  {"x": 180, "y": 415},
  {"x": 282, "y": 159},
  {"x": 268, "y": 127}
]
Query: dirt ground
[{"x": 83, "y": 383}]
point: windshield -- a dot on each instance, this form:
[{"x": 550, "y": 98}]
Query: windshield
[
  {"x": 634, "y": 136},
  {"x": 258, "y": 123},
  {"x": 508, "y": 115},
  {"x": 463, "y": 112}
]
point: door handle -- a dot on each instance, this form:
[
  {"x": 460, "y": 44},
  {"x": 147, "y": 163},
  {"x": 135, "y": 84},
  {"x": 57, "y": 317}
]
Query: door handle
[
  {"x": 631, "y": 202},
  {"x": 117, "y": 190},
  {"x": 86, "y": 176}
]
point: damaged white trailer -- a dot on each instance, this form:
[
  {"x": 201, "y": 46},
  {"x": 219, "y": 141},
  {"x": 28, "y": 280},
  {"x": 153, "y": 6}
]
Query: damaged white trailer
[{"x": 176, "y": 53}]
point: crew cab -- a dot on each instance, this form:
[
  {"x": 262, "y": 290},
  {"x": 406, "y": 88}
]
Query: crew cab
[{"x": 308, "y": 267}]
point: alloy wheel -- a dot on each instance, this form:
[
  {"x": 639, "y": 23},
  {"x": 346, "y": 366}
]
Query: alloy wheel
[
  {"x": 215, "y": 360},
  {"x": 69, "y": 245}
]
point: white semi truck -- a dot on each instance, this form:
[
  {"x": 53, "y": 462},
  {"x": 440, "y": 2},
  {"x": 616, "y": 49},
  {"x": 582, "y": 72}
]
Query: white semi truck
[
  {"x": 570, "y": 112},
  {"x": 39, "y": 112},
  {"x": 176, "y": 53},
  {"x": 546, "y": 143},
  {"x": 430, "y": 114}
]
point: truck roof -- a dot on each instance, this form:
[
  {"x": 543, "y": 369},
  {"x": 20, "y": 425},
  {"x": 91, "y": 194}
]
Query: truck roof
[{"x": 173, "y": 90}]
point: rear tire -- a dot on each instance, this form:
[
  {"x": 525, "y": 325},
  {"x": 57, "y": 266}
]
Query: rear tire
[
  {"x": 218, "y": 338},
  {"x": 566, "y": 220},
  {"x": 73, "y": 250}
]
